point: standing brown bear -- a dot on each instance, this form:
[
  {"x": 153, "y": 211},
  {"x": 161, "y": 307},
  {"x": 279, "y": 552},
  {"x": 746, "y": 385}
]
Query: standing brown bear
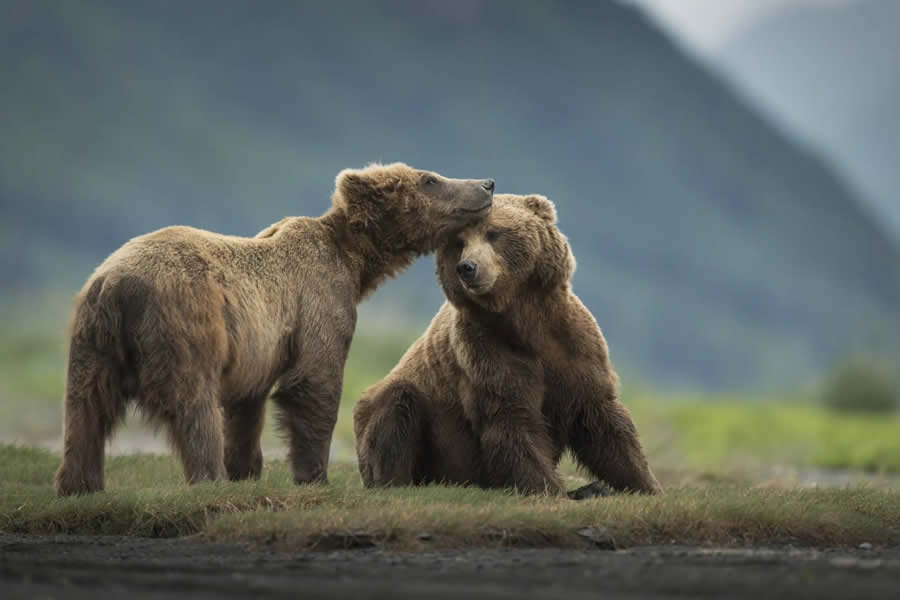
[
  {"x": 511, "y": 372},
  {"x": 196, "y": 327}
]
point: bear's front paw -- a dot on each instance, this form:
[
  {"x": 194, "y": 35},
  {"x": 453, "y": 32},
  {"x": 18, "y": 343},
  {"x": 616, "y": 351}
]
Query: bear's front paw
[{"x": 597, "y": 489}]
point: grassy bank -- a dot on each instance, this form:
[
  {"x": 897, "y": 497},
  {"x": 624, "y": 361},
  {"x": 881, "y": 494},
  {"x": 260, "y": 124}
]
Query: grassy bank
[{"x": 146, "y": 497}]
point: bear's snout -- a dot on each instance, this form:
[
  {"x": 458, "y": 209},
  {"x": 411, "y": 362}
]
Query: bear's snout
[{"x": 466, "y": 269}]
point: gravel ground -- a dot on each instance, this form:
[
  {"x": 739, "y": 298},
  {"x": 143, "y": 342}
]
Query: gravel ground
[{"x": 134, "y": 568}]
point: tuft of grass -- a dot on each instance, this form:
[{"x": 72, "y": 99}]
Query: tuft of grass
[
  {"x": 146, "y": 497},
  {"x": 726, "y": 516}
]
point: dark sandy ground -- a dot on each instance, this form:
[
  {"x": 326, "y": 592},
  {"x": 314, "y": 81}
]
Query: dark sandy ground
[{"x": 134, "y": 568}]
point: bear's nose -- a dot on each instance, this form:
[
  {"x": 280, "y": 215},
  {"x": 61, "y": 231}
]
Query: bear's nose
[
  {"x": 488, "y": 185},
  {"x": 466, "y": 270}
]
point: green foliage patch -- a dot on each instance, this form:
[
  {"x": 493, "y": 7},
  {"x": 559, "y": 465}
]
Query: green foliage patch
[{"x": 863, "y": 384}]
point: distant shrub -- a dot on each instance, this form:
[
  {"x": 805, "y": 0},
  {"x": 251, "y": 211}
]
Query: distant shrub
[{"x": 863, "y": 385}]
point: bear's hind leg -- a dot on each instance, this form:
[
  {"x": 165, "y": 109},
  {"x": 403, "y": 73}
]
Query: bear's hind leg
[
  {"x": 392, "y": 438},
  {"x": 93, "y": 407},
  {"x": 243, "y": 426}
]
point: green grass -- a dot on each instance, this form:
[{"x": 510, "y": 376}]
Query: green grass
[
  {"x": 146, "y": 497},
  {"x": 32, "y": 364},
  {"x": 704, "y": 433}
]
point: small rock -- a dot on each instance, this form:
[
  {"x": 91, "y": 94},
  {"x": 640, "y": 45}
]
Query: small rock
[
  {"x": 598, "y": 536},
  {"x": 424, "y": 537},
  {"x": 865, "y": 546}
]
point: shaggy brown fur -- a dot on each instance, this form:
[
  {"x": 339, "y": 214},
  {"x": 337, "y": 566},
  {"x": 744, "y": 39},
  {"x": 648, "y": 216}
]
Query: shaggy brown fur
[
  {"x": 512, "y": 371},
  {"x": 196, "y": 327}
]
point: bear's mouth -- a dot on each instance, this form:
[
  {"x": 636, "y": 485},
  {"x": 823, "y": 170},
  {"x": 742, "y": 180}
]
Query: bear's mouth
[
  {"x": 475, "y": 289},
  {"x": 473, "y": 211}
]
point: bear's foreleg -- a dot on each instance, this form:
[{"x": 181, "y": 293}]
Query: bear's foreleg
[
  {"x": 517, "y": 450},
  {"x": 605, "y": 442},
  {"x": 244, "y": 420},
  {"x": 308, "y": 408}
]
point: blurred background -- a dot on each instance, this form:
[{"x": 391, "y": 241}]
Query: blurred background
[{"x": 726, "y": 171}]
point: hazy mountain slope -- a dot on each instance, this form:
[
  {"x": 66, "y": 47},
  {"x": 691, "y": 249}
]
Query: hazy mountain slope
[
  {"x": 710, "y": 248},
  {"x": 832, "y": 74}
]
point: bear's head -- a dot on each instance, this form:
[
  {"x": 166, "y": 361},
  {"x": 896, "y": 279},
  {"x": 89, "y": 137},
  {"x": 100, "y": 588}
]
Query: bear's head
[
  {"x": 516, "y": 250},
  {"x": 409, "y": 209}
]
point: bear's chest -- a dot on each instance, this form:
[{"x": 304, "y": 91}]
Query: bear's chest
[
  {"x": 470, "y": 406},
  {"x": 499, "y": 378},
  {"x": 502, "y": 393}
]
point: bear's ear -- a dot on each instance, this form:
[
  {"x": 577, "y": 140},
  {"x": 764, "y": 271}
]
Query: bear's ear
[
  {"x": 556, "y": 264},
  {"x": 354, "y": 183},
  {"x": 542, "y": 207},
  {"x": 358, "y": 193}
]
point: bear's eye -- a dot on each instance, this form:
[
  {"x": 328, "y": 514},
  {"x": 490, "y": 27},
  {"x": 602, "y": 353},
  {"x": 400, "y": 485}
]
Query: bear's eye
[
  {"x": 492, "y": 235},
  {"x": 430, "y": 180},
  {"x": 459, "y": 244}
]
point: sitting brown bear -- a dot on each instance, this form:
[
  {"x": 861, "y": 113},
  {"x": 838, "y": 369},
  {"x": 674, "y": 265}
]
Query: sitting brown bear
[
  {"x": 196, "y": 327},
  {"x": 512, "y": 371}
]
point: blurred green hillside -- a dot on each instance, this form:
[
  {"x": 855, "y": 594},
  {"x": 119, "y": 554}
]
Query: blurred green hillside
[
  {"x": 830, "y": 73},
  {"x": 712, "y": 250}
]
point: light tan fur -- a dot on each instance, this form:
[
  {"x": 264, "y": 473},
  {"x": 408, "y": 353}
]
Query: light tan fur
[{"x": 196, "y": 327}]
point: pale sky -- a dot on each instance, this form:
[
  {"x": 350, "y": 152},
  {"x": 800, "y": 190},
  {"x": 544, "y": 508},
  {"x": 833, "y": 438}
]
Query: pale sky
[{"x": 704, "y": 25}]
